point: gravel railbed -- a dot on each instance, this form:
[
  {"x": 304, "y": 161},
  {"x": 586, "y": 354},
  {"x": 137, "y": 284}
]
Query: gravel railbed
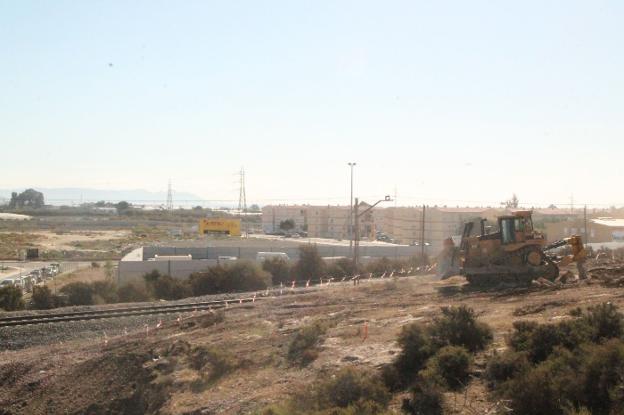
[{"x": 20, "y": 337}]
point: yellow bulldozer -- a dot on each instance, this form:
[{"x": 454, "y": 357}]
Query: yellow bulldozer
[{"x": 515, "y": 254}]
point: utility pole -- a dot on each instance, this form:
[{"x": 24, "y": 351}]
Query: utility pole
[
  {"x": 585, "y": 221},
  {"x": 422, "y": 235},
  {"x": 350, "y": 226},
  {"x": 242, "y": 202},
  {"x": 169, "y": 206},
  {"x": 356, "y": 246}
]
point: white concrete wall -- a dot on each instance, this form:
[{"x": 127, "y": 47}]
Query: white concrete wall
[{"x": 134, "y": 270}]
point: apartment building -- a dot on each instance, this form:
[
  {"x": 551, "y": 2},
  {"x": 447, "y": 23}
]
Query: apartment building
[{"x": 274, "y": 215}]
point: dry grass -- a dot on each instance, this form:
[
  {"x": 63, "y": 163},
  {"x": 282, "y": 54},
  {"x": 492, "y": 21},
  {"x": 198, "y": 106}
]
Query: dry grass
[{"x": 84, "y": 275}]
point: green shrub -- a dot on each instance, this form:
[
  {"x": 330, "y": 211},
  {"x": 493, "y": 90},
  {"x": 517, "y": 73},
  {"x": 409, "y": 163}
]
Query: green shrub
[
  {"x": 451, "y": 364},
  {"x": 591, "y": 376},
  {"x": 11, "y": 298},
  {"x": 350, "y": 391},
  {"x": 539, "y": 340},
  {"x": 211, "y": 362},
  {"x": 392, "y": 377},
  {"x": 548, "y": 388},
  {"x": 343, "y": 267},
  {"x": 279, "y": 270},
  {"x": 78, "y": 293},
  {"x": 416, "y": 348},
  {"x": 310, "y": 264},
  {"x": 458, "y": 327},
  {"x": 579, "y": 365},
  {"x": 505, "y": 366},
  {"x": 520, "y": 339},
  {"x": 104, "y": 292},
  {"x": 351, "y": 386},
  {"x": 302, "y": 348},
  {"x": 42, "y": 298},
  {"x": 246, "y": 276},
  {"x": 379, "y": 266},
  {"x": 603, "y": 373},
  {"x": 168, "y": 288},
  {"x": 211, "y": 281},
  {"x": 133, "y": 292},
  {"x": 239, "y": 276},
  {"x": 605, "y": 321},
  {"x": 426, "y": 398}
]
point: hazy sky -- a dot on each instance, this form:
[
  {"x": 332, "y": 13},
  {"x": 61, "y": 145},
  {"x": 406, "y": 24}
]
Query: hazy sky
[{"x": 457, "y": 102}]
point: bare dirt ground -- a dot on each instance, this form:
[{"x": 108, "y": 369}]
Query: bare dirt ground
[
  {"x": 83, "y": 275},
  {"x": 153, "y": 372},
  {"x": 71, "y": 240}
]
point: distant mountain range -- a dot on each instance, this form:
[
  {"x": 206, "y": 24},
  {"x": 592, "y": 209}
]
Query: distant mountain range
[{"x": 75, "y": 196}]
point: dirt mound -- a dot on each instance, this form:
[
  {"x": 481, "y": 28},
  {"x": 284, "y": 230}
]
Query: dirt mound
[{"x": 119, "y": 382}]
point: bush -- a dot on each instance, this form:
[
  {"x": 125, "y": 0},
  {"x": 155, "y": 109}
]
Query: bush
[
  {"x": 42, "y": 298},
  {"x": 343, "y": 267},
  {"x": 246, "y": 276},
  {"x": 426, "y": 399},
  {"x": 605, "y": 321},
  {"x": 104, "y": 292},
  {"x": 211, "y": 281},
  {"x": 574, "y": 367},
  {"x": 352, "y": 386},
  {"x": 539, "y": 340},
  {"x": 546, "y": 389},
  {"x": 279, "y": 270},
  {"x": 310, "y": 264},
  {"x": 167, "y": 288},
  {"x": 416, "y": 348},
  {"x": 451, "y": 364},
  {"x": 505, "y": 366},
  {"x": 379, "y": 266},
  {"x": 597, "y": 324},
  {"x": 213, "y": 363},
  {"x": 78, "y": 293},
  {"x": 603, "y": 382},
  {"x": 520, "y": 339},
  {"x": 351, "y": 391},
  {"x": 133, "y": 292},
  {"x": 240, "y": 276},
  {"x": 11, "y": 298},
  {"x": 458, "y": 327},
  {"x": 302, "y": 348}
]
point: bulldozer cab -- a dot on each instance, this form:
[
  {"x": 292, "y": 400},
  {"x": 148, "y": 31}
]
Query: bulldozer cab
[{"x": 515, "y": 228}]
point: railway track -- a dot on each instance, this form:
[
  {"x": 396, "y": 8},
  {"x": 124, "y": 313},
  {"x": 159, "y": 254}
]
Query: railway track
[
  {"x": 29, "y": 319},
  {"x": 118, "y": 312}
]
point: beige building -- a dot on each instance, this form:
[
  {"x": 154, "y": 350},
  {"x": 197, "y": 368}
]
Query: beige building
[
  {"x": 318, "y": 221},
  {"x": 274, "y": 215},
  {"x": 405, "y": 224},
  {"x": 333, "y": 222},
  {"x": 602, "y": 229}
]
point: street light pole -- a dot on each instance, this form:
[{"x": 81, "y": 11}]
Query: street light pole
[
  {"x": 350, "y": 227},
  {"x": 356, "y": 246}
]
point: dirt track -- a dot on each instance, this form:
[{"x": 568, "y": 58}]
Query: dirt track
[{"x": 151, "y": 372}]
